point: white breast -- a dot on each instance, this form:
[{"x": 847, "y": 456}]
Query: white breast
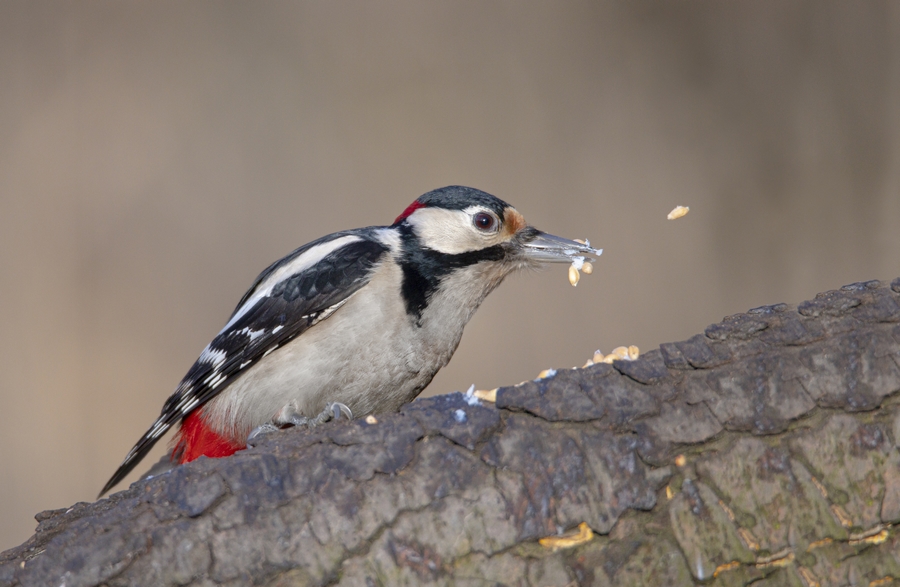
[{"x": 369, "y": 355}]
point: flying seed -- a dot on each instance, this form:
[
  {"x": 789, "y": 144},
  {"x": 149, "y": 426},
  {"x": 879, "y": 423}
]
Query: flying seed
[
  {"x": 574, "y": 276},
  {"x": 678, "y": 212}
]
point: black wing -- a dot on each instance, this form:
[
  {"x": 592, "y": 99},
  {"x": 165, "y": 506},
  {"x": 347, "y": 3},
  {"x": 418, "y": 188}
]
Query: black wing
[{"x": 275, "y": 310}]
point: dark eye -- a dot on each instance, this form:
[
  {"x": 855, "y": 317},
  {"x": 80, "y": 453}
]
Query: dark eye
[{"x": 484, "y": 221}]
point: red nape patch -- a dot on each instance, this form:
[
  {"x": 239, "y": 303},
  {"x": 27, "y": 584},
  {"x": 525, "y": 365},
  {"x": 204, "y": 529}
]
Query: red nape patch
[
  {"x": 409, "y": 210},
  {"x": 196, "y": 439}
]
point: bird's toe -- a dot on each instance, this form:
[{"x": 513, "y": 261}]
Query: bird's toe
[
  {"x": 257, "y": 433},
  {"x": 332, "y": 411},
  {"x": 289, "y": 416}
]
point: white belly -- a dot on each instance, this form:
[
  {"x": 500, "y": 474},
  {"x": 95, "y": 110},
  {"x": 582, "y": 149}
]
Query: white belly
[{"x": 380, "y": 361}]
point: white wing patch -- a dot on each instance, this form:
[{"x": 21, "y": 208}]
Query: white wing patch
[
  {"x": 389, "y": 238},
  {"x": 303, "y": 262}
]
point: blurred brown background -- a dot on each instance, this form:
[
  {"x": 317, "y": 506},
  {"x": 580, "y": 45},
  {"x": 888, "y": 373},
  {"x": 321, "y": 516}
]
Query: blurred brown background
[{"x": 155, "y": 156}]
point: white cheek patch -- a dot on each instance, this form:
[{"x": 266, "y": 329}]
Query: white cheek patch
[{"x": 449, "y": 231}]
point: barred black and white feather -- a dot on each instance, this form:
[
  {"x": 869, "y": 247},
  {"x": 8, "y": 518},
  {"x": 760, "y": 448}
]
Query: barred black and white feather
[{"x": 287, "y": 298}]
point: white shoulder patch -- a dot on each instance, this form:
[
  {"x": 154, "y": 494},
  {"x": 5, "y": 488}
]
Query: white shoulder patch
[
  {"x": 389, "y": 238},
  {"x": 301, "y": 263}
]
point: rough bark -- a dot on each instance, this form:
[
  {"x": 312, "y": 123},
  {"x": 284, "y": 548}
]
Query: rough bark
[{"x": 763, "y": 450}]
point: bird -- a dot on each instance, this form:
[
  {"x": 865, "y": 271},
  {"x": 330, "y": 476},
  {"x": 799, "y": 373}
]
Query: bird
[{"x": 356, "y": 322}]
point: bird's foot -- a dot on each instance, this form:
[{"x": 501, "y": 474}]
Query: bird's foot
[
  {"x": 332, "y": 411},
  {"x": 289, "y": 416}
]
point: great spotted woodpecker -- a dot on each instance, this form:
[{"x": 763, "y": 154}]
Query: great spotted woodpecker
[{"x": 357, "y": 321}]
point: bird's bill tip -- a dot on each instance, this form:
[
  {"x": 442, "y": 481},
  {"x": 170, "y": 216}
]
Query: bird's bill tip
[{"x": 548, "y": 248}]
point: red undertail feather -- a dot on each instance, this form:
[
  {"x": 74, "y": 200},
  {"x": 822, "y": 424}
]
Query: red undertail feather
[
  {"x": 196, "y": 439},
  {"x": 409, "y": 210}
]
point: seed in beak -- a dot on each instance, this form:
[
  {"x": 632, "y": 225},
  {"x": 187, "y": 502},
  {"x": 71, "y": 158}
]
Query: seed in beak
[
  {"x": 578, "y": 263},
  {"x": 574, "y": 276},
  {"x": 587, "y": 268}
]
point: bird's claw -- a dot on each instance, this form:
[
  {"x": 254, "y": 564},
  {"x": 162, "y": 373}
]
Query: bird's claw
[
  {"x": 289, "y": 416},
  {"x": 336, "y": 409},
  {"x": 260, "y": 431}
]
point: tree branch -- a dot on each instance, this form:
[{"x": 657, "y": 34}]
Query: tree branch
[{"x": 765, "y": 447}]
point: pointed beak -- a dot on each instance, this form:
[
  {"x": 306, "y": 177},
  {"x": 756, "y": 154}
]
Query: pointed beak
[{"x": 547, "y": 248}]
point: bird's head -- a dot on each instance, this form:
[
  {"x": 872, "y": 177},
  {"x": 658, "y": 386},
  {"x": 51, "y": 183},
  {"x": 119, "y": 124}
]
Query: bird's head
[{"x": 470, "y": 224}]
